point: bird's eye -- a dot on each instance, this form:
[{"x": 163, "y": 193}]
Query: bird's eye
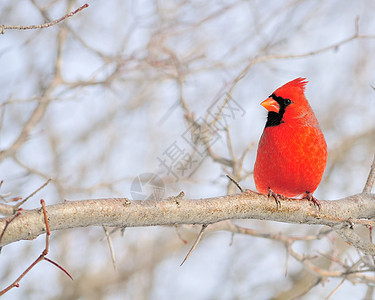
[{"x": 287, "y": 102}]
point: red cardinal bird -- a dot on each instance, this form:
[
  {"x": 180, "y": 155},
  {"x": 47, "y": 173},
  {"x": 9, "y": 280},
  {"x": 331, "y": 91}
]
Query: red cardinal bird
[{"x": 292, "y": 152}]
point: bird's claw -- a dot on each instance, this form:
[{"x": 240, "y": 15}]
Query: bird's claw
[
  {"x": 277, "y": 197},
  {"x": 311, "y": 198}
]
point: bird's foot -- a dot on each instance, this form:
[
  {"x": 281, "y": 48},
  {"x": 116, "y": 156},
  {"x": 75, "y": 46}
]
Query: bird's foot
[
  {"x": 311, "y": 198},
  {"x": 277, "y": 197}
]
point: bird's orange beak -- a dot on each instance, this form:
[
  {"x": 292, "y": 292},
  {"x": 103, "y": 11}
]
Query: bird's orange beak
[{"x": 271, "y": 105}]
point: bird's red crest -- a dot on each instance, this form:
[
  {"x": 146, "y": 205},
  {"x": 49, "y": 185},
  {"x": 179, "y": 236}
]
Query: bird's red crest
[
  {"x": 292, "y": 88},
  {"x": 297, "y": 83}
]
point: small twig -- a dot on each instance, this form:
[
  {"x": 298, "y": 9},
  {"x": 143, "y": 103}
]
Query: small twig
[
  {"x": 57, "y": 265},
  {"x": 358, "y": 271},
  {"x": 369, "y": 292},
  {"x": 231, "y": 240},
  {"x": 40, "y": 258},
  {"x": 204, "y": 226},
  {"x": 336, "y": 288},
  {"x": 307, "y": 289},
  {"x": 6, "y": 195},
  {"x": 32, "y": 194},
  {"x": 7, "y": 222},
  {"x": 287, "y": 246},
  {"x": 244, "y": 153},
  {"x": 230, "y": 145},
  {"x": 332, "y": 258},
  {"x": 109, "y": 240},
  {"x": 370, "y": 179},
  {"x": 45, "y": 25},
  {"x": 236, "y": 183}
]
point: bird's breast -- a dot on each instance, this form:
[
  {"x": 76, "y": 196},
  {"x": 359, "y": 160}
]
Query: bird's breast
[{"x": 291, "y": 159}]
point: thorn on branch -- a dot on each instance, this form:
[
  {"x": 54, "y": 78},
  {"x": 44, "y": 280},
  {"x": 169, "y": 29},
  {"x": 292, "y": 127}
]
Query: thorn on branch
[
  {"x": 123, "y": 231},
  {"x": 110, "y": 245},
  {"x": 127, "y": 201},
  {"x": 236, "y": 183},
  {"x": 204, "y": 226},
  {"x": 178, "y": 197}
]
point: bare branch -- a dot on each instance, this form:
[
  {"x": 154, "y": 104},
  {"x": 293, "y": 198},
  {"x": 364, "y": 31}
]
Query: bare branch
[
  {"x": 45, "y": 25},
  {"x": 249, "y": 205}
]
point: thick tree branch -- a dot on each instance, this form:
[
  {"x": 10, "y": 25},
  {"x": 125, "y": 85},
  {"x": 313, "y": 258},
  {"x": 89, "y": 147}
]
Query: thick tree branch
[{"x": 249, "y": 205}]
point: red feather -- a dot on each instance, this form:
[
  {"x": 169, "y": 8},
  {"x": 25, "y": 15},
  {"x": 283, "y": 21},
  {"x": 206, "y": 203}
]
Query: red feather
[{"x": 292, "y": 152}]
